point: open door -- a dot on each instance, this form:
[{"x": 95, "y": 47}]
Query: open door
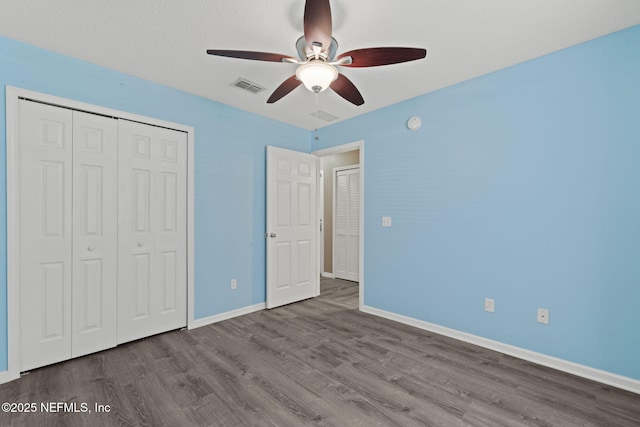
[{"x": 291, "y": 226}]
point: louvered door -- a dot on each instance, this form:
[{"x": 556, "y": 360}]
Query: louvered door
[{"x": 346, "y": 251}]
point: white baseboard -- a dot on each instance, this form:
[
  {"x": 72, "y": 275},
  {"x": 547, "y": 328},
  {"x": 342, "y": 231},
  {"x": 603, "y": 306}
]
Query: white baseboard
[
  {"x": 6, "y": 376},
  {"x": 227, "y": 315},
  {"x": 328, "y": 275},
  {"x": 604, "y": 377}
]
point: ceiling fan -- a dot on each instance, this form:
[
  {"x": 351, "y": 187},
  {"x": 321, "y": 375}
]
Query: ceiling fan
[{"x": 317, "y": 52}]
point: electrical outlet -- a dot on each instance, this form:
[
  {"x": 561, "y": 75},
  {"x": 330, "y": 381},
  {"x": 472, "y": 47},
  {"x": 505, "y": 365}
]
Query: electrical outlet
[
  {"x": 489, "y": 305},
  {"x": 234, "y": 283},
  {"x": 543, "y": 316}
]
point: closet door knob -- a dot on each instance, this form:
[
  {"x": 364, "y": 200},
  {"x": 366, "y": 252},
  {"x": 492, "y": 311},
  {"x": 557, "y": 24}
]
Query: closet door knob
[
  {"x": 91, "y": 248},
  {"x": 140, "y": 244}
]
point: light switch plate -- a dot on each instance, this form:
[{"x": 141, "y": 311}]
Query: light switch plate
[
  {"x": 386, "y": 221},
  {"x": 489, "y": 305}
]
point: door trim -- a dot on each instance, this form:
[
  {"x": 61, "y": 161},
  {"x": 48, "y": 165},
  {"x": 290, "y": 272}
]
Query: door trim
[
  {"x": 357, "y": 145},
  {"x": 13, "y": 95},
  {"x": 321, "y": 218}
]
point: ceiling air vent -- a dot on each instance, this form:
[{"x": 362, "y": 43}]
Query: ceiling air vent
[
  {"x": 323, "y": 115},
  {"x": 247, "y": 85}
]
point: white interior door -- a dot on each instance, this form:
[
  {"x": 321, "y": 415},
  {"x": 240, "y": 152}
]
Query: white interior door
[
  {"x": 291, "y": 226},
  {"x": 346, "y": 256},
  {"x": 152, "y": 186},
  {"x": 45, "y": 163},
  {"x": 95, "y": 222}
]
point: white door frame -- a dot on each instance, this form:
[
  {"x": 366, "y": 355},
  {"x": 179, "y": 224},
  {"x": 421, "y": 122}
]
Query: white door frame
[
  {"x": 13, "y": 94},
  {"x": 321, "y": 219},
  {"x": 358, "y": 145},
  {"x": 333, "y": 211}
]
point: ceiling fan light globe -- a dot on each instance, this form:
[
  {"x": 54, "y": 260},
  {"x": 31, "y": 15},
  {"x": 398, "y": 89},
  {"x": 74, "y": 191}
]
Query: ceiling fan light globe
[{"x": 316, "y": 76}]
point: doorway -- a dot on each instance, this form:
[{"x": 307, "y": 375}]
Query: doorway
[{"x": 328, "y": 159}]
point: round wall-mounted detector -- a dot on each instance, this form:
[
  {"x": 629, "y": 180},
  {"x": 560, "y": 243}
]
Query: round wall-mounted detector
[{"x": 414, "y": 123}]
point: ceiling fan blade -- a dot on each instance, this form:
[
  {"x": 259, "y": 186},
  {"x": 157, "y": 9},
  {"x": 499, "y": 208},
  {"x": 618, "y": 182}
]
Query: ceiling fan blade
[
  {"x": 375, "y": 56},
  {"x": 317, "y": 23},
  {"x": 247, "y": 54},
  {"x": 343, "y": 87},
  {"x": 287, "y": 86}
]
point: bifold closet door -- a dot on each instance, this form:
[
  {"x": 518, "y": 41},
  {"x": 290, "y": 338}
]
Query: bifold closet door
[
  {"x": 152, "y": 276},
  {"x": 95, "y": 225},
  {"x": 347, "y": 225},
  {"x": 67, "y": 221}
]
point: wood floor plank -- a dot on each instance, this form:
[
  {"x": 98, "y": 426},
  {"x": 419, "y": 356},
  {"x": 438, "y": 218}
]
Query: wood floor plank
[{"x": 319, "y": 362}]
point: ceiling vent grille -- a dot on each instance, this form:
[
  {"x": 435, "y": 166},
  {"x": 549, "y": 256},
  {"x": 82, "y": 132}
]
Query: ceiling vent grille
[
  {"x": 247, "y": 85},
  {"x": 323, "y": 115}
]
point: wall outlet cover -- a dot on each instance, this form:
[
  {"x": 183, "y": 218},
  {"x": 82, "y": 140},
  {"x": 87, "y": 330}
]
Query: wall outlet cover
[{"x": 543, "y": 316}]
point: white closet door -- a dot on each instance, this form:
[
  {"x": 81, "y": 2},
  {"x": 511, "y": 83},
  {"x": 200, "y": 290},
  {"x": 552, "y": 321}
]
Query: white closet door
[
  {"x": 347, "y": 224},
  {"x": 45, "y": 156},
  {"x": 353, "y": 229},
  {"x": 95, "y": 222},
  {"x": 152, "y": 278},
  {"x": 340, "y": 223}
]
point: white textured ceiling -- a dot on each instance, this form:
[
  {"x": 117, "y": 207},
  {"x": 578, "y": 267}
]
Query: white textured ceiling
[{"x": 164, "y": 41}]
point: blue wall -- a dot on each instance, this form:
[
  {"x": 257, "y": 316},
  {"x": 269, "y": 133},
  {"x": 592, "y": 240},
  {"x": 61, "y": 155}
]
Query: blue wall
[
  {"x": 523, "y": 186},
  {"x": 229, "y": 168}
]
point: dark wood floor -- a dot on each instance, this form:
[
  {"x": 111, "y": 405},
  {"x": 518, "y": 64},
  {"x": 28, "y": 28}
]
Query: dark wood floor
[{"x": 318, "y": 362}]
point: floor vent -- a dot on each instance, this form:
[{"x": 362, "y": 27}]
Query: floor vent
[
  {"x": 323, "y": 115},
  {"x": 247, "y": 85}
]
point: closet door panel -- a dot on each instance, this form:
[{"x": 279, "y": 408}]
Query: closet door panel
[
  {"x": 353, "y": 232},
  {"x": 45, "y": 233},
  {"x": 340, "y": 225},
  {"x": 94, "y": 302},
  {"x": 171, "y": 223},
  {"x": 347, "y": 224},
  {"x": 152, "y": 230}
]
